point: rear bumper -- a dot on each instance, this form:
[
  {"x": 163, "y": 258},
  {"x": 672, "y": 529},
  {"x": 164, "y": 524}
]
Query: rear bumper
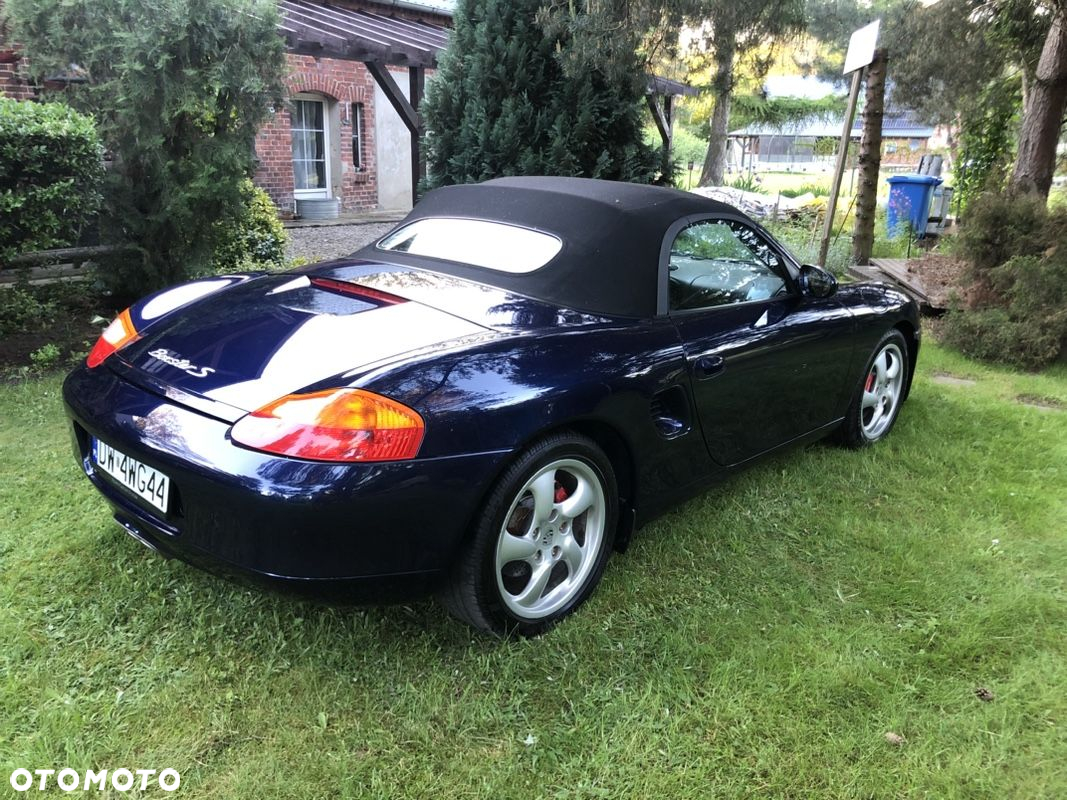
[{"x": 388, "y": 526}]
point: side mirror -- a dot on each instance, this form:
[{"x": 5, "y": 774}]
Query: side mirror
[{"x": 817, "y": 282}]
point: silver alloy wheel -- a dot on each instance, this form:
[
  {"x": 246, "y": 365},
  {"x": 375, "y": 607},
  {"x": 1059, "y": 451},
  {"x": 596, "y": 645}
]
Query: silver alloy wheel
[
  {"x": 881, "y": 392},
  {"x": 551, "y": 538}
]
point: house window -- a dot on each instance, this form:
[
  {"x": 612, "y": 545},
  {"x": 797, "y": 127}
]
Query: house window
[
  {"x": 357, "y": 136},
  {"x": 309, "y": 135}
]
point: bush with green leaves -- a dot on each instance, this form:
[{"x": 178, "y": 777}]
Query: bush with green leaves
[
  {"x": 797, "y": 237},
  {"x": 23, "y": 308},
  {"x": 995, "y": 335},
  {"x": 1016, "y": 311},
  {"x": 45, "y": 357},
  {"x": 50, "y": 171},
  {"x": 686, "y": 147},
  {"x": 999, "y": 226},
  {"x": 748, "y": 182},
  {"x": 987, "y": 140},
  {"x": 253, "y": 239},
  {"x": 178, "y": 90}
]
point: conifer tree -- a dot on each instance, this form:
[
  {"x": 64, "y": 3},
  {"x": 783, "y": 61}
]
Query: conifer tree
[{"x": 523, "y": 93}]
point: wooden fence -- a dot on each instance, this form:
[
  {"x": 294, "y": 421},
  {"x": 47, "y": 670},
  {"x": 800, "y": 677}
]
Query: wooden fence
[{"x": 50, "y": 266}]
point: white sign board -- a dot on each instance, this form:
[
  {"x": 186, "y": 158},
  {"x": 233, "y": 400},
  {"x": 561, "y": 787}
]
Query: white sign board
[{"x": 861, "y": 47}]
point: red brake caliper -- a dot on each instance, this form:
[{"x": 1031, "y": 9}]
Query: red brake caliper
[
  {"x": 561, "y": 493},
  {"x": 870, "y": 383}
]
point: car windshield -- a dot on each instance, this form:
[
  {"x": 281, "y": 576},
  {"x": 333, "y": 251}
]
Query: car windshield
[{"x": 481, "y": 243}]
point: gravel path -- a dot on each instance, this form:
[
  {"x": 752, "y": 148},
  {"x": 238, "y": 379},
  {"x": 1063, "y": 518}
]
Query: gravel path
[{"x": 332, "y": 241}]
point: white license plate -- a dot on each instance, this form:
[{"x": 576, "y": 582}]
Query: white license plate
[{"x": 145, "y": 482}]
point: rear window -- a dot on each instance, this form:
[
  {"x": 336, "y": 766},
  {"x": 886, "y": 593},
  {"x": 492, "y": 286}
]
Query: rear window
[{"x": 481, "y": 243}]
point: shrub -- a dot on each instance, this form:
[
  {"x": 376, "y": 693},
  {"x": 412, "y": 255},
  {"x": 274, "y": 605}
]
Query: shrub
[
  {"x": 45, "y": 357},
  {"x": 990, "y": 334},
  {"x": 22, "y": 309},
  {"x": 1017, "y": 302},
  {"x": 254, "y": 238},
  {"x": 687, "y": 146},
  {"x": 50, "y": 171},
  {"x": 747, "y": 182},
  {"x": 817, "y": 189},
  {"x": 1034, "y": 287},
  {"x": 797, "y": 238},
  {"x": 1057, "y": 197},
  {"x": 986, "y": 141},
  {"x": 178, "y": 90},
  {"x": 999, "y": 226}
]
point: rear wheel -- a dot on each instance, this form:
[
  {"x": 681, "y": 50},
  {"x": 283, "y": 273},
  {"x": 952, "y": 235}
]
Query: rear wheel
[
  {"x": 542, "y": 540},
  {"x": 877, "y": 399}
]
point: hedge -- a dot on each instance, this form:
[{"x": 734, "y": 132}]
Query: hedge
[{"x": 50, "y": 171}]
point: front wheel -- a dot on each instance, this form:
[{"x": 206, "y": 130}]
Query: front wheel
[
  {"x": 542, "y": 541},
  {"x": 878, "y": 397}
]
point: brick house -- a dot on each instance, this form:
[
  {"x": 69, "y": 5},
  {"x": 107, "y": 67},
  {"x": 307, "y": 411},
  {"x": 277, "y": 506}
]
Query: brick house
[
  {"x": 341, "y": 135},
  {"x": 349, "y": 130},
  {"x": 345, "y": 130},
  {"x": 13, "y": 80}
]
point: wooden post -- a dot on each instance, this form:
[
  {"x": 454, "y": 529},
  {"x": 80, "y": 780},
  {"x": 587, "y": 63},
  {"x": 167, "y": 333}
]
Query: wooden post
[
  {"x": 663, "y": 116},
  {"x": 406, "y": 109},
  {"x": 668, "y": 110},
  {"x": 416, "y": 87},
  {"x": 839, "y": 171}
]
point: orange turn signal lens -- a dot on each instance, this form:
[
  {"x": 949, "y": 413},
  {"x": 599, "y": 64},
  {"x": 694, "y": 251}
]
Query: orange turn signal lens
[
  {"x": 115, "y": 336},
  {"x": 333, "y": 425}
]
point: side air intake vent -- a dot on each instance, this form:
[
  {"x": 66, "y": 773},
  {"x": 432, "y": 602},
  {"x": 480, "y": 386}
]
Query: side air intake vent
[{"x": 670, "y": 412}]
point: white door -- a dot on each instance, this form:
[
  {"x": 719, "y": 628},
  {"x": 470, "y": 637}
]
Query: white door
[{"x": 310, "y": 135}]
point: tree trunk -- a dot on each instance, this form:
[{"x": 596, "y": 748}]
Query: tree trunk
[
  {"x": 870, "y": 161},
  {"x": 715, "y": 161},
  {"x": 1046, "y": 102}
]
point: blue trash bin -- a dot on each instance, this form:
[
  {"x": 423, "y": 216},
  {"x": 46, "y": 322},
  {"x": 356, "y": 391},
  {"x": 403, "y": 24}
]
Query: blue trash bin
[{"x": 909, "y": 203}]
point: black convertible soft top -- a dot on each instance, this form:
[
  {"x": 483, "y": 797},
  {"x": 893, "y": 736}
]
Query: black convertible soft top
[{"x": 612, "y": 235}]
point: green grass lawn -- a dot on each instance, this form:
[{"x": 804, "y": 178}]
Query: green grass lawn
[{"x": 758, "y": 642}]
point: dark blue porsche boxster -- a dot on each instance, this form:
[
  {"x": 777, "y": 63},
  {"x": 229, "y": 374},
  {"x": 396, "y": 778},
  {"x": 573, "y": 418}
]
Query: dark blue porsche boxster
[{"x": 487, "y": 402}]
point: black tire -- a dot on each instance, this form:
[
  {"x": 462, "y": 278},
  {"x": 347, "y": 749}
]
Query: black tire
[
  {"x": 859, "y": 428},
  {"x": 485, "y": 594}
]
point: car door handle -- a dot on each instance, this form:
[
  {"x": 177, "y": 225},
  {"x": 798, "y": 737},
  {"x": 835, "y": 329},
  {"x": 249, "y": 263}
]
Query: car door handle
[{"x": 709, "y": 366}]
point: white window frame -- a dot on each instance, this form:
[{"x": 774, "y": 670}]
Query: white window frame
[{"x": 306, "y": 194}]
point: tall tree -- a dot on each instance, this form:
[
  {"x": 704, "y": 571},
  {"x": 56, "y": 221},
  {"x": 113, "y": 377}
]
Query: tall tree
[
  {"x": 519, "y": 92},
  {"x": 870, "y": 160},
  {"x": 977, "y": 41},
  {"x": 985, "y": 47},
  {"x": 178, "y": 90},
  {"x": 1043, "y": 112},
  {"x": 731, "y": 31}
]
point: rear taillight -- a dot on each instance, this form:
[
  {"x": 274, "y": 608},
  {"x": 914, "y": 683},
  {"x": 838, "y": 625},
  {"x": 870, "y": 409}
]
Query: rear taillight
[
  {"x": 115, "y": 336},
  {"x": 333, "y": 425}
]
